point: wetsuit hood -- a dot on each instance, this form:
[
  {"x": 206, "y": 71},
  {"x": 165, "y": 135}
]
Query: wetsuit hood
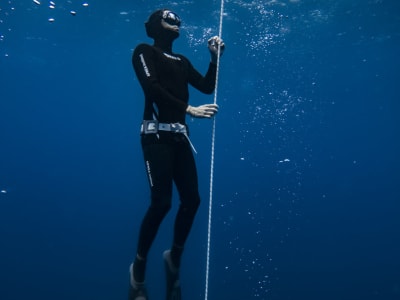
[{"x": 156, "y": 31}]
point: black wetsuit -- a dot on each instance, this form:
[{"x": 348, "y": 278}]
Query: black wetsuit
[{"x": 164, "y": 77}]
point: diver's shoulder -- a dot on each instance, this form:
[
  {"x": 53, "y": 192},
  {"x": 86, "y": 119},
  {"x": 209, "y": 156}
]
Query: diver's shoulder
[
  {"x": 143, "y": 46},
  {"x": 181, "y": 57}
]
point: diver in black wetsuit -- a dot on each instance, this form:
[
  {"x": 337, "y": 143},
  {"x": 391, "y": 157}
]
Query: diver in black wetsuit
[{"x": 164, "y": 77}]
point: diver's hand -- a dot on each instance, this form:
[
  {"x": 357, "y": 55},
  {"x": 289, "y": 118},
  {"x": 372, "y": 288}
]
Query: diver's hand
[
  {"x": 213, "y": 44},
  {"x": 202, "y": 111}
]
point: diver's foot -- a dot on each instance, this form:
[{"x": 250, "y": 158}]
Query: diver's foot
[
  {"x": 172, "y": 274},
  {"x": 137, "y": 291}
]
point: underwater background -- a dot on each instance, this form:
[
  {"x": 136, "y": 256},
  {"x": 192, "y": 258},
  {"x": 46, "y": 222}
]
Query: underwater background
[{"x": 306, "y": 180}]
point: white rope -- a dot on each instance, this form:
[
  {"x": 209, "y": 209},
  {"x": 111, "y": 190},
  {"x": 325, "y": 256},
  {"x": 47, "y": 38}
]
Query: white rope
[{"x": 212, "y": 160}]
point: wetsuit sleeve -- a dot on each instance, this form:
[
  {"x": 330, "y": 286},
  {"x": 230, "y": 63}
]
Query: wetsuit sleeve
[
  {"x": 204, "y": 84},
  {"x": 143, "y": 61}
]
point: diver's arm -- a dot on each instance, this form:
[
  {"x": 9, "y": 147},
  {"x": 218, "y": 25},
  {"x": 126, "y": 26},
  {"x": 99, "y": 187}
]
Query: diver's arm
[
  {"x": 206, "y": 84},
  {"x": 143, "y": 63}
]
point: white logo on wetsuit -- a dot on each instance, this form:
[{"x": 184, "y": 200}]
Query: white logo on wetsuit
[
  {"x": 171, "y": 57},
  {"x": 146, "y": 69},
  {"x": 149, "y": 173}
]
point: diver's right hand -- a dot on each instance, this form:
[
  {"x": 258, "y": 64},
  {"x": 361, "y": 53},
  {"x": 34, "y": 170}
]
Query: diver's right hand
[
  {"x": 213, "y": 44},
  {"x": 202, "y": 111}
]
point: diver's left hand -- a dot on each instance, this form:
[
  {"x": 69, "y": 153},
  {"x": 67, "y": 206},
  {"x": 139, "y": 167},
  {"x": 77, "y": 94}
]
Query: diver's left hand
[
  {"x": 202, "y": 111},
  {"x": 213, "y": 44}
]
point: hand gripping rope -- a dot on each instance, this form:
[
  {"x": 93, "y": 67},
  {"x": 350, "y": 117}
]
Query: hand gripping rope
[{"x": 212, "y": 160}]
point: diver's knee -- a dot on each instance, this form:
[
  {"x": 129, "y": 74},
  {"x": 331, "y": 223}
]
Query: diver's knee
[
  {"x": 161, "y": 204},
  {"x": 192, "y": 205}
]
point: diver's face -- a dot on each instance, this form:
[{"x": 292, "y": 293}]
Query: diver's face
[
  {"x": 167, "y": 26},
  {"x": 170, "y": 21}
]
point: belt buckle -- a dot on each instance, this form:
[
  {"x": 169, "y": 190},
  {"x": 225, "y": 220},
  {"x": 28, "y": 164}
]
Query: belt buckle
[
  {"x": 178, "y": 127},
  {"x": 150, "y": 126}
]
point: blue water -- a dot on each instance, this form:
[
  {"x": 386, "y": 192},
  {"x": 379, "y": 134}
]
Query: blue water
[{"x": 306, "y": 184}]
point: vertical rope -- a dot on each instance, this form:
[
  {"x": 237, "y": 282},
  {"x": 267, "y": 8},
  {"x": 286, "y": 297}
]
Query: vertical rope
[{"x": 212, "y": 160}]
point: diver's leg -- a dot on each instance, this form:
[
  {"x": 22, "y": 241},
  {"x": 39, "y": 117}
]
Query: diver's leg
[
  {"x": 158, "y": 165},
  {"x": 185, "y": 177}
]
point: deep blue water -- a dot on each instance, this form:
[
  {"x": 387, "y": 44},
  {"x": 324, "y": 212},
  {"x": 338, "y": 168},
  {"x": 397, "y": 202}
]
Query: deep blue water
[{"x": 306, "y": 183}]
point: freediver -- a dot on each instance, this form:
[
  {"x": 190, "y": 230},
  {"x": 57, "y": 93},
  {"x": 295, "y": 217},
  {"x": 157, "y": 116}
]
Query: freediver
[{"x": 164, "y": 77}]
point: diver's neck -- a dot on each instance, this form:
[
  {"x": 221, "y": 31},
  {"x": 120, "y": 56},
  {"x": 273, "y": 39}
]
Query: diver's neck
[{"x": 164, "y": 45}]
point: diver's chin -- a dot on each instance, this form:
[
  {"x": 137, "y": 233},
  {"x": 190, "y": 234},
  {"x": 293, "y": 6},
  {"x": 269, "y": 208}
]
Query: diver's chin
[
  {"x": 174, "y": 31},
  {"x": 175, "y": 34}
]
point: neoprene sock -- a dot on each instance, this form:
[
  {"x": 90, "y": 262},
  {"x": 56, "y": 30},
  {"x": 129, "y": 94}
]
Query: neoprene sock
[
  {"x": 176, "y": 254},
  {"x": 139, "y": 269}
]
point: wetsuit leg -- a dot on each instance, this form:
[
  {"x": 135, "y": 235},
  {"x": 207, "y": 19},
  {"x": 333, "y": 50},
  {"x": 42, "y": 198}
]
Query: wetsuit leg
[
  {"x": 185, "y": 177},
  {"x": 158, "y": 163}
]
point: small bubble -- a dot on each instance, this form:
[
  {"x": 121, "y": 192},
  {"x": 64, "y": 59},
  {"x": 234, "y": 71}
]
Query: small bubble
[{"x": 285, "y": 160}]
